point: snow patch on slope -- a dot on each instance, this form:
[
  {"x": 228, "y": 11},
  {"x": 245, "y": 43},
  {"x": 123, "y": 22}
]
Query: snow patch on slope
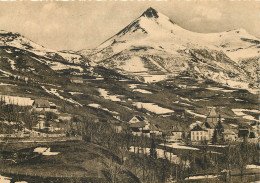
[{"x": 135, "y": 64}]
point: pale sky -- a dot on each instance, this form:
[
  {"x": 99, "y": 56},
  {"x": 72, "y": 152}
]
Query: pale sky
[{"x": 81, "y": 25}]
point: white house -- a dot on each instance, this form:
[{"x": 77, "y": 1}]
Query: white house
[
  {"x": 205, "y": 131},
  {"x": 202, "y": 132},
  {"x": 199, "y": 134}
]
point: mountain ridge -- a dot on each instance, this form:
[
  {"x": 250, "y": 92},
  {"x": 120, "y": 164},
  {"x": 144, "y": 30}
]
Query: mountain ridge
[
  {"x": 17, "y": 40},
  {"x": 153, "y": 44},
  {"x": 154, "y": 34}
]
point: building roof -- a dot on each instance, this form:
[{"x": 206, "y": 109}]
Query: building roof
[
  {"x": 198, "y": 128},
  {"x": 137, "y": 125},
  {"x": 41, "y": 103},
  {"x": 154, "y": 127},
  {"x": 140, "y": 118},
  {"x": 212, "y": 113},
  {"x": 208, "y": 125}
]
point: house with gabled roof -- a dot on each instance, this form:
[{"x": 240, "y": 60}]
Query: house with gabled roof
[
  {"x": 137, "y": 119},
  {"x": 205, "y": 131},
  {"x": 199, "y": 134},
  {"x": 139, "y": 126},
  {"x": 248, "y": 133}
]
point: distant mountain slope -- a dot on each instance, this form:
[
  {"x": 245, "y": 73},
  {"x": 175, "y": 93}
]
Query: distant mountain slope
[
  {"x": 20, "y": 56},
  {"x": 18, "y": 41},
  {"x": 154, "y": 44},
  {"x": 16, "y": 63}
]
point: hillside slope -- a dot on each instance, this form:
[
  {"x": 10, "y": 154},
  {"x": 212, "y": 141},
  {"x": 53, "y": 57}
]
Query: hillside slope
[
  {"x": 21, "y": 57},
  {"x": 18, "y": 41}
]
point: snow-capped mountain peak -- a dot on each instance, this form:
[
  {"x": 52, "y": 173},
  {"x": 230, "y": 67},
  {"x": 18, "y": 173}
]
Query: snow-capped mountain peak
[
  {"x": 154, "y": 29},
  {"x": 150, "y": 13},
  {"x": 153, "y": 44},
  {"x": 149, "y": 21},
  {"x": 151, "y": 24}
]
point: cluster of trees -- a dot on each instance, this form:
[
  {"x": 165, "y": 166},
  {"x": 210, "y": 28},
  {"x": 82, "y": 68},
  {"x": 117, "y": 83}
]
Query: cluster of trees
[
  {"x": 147, "y": 167},
  {"x": 230, "y": 159},
  {"x": 14, "y": 117},
  {"x": 218, "y": 137},
  {"x": 74, "y": 127},
  {"x": 238, "y": 155}
]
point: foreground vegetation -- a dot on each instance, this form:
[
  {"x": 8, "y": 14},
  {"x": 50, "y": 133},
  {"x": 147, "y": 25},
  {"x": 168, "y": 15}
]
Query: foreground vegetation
[{"x": 104, "y": 156}]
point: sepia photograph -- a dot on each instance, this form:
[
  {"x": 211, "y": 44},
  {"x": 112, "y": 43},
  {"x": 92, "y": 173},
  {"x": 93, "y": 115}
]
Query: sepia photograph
[{"x": 129, "y": 91}]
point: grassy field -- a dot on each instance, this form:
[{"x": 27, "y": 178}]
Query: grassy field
[{"x": 77, "y": 160}]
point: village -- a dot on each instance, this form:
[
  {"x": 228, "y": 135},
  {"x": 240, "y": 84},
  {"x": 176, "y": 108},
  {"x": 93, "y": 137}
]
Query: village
[
  {"x": 51, "y": 123},
  {"x": 135, "y": 136},
  {"x": 199, "y": 133}
]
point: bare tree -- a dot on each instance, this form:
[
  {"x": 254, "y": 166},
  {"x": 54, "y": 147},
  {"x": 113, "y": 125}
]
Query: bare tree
[
  {"x": 112, "y": 171},
  {"x": 241, "y": 157}
]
